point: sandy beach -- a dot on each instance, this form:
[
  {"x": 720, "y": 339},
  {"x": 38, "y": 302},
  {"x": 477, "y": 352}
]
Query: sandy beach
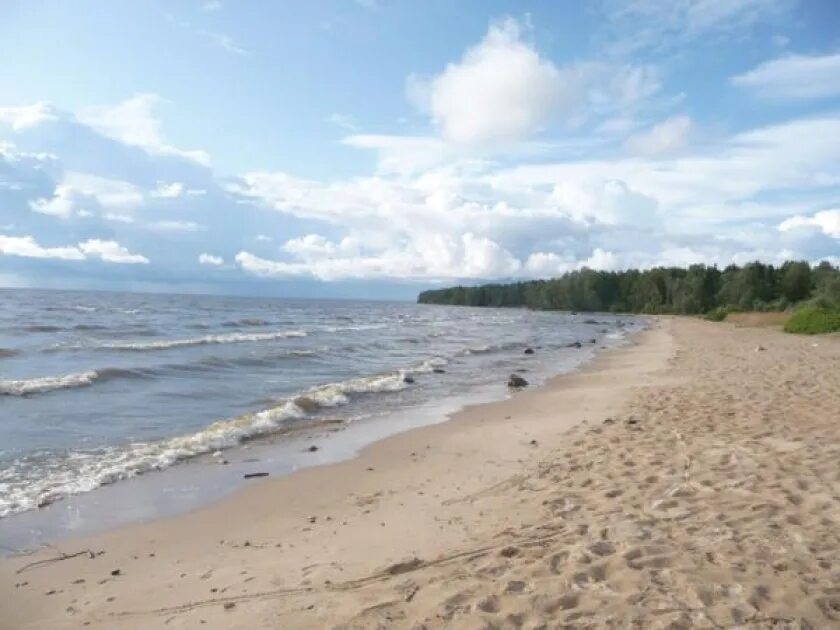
[{"x": 687, "y": 480}]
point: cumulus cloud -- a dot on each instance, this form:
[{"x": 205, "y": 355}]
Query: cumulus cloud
[
  {"x": 826, "y": 221},
  {"x": 111, "y": 251},
  {"x": 171, "y": 190},
  {"x": 20, "y": 118},
  {"x": 500, "y": 91},
  {"x": 118, "y": 198},
  {"x": 209, "y": 259},
  {"x": 27, "y": 247},
  {"x": 794, "y": 77},
  {"x": 482, "y": 220},
  {"x": 133, "y": 122},
  {"x": 108, "y": 251},
  {"x": 665, "y": 138},
  {"x": 438, "y": 256}
]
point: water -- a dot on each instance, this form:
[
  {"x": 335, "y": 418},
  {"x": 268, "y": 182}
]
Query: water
[{"x": 96, "y": 388}]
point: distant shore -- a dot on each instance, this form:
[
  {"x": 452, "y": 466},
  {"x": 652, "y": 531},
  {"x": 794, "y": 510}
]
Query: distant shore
[{"x": 687, "y": 478}]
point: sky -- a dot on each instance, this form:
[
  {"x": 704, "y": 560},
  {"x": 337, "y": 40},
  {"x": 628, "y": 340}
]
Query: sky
[{"x": 375, "y": 148}]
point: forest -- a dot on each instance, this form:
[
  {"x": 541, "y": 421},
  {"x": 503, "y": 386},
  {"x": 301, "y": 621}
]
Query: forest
[{"x": 699, "y": 289}]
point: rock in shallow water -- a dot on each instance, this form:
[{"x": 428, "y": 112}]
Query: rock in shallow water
[
  {"x": 517, "y": 382},
  {"x": 253, "y": 475}
]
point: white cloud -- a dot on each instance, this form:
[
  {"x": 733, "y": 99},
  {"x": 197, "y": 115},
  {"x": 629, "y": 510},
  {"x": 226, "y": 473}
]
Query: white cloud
[
  {"x": 59, "y": 205},
  {"x": 175, "y": 226},
  {"x": 20, "y": 118},
  {"x": 171, "y": 190},
  {"x": 653, "y": 24},
  {"x": 133, "y": 122},
  {"x": 794, "y": 77},
  {"x": 343, "y": 120},
  {"x": 211, "y": 5},
  {"x": 27, "y": 247},
  {"x": 550, "y": 264},
  {"x": 499, "y": 92},
  {"x": 668, "y": 137},
  {"x": 77, "y": 189},
  {"x": 469, "y": 219},
  {"x": 118, "y": 218},
  {"x": 108, "y": 251},
  {"x": 314, "y": 246},
  {"x": 209, "y": 259},
  {"x": 827, "y": 221},
  {"x": 226, "y": 43},
  {"x": 111, "y": 251},
  {"x": 438, "y": 256}
]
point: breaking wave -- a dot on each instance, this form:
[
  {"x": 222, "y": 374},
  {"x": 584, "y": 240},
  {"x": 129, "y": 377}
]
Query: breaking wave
[
  {"x": 82, "y": 471},
  {"x": 163, "y": 344},
  {"x": 27, "y": 386}
]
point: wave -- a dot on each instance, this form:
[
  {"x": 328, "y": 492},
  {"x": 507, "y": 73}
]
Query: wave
[
  {"x": 44, "y": 328},
  {"x": 164, "y": 344},
  {"x": 84, "y": 471},
  {"x": 27, "y": 386},
  {"x": 246, "y": 322},
  {"x": 44, "y": 384},
  {"x": 333, "y": 329},
  {"x": 211, "y": 363},
  {"x": 488, "y": 348}
]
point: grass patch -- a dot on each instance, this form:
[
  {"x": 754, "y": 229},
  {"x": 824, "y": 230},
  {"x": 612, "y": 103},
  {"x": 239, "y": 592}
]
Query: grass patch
[
  {"x": 813, "y": 320},
  {"x": 717, "y": 314},
  {"x": 761, "y": 320}
]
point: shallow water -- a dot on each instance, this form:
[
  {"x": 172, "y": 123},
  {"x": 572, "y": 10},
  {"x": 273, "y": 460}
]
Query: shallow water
[{"x": 97, "y": 388}]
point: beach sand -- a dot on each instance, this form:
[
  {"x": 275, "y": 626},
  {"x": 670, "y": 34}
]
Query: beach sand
[{"x": 688, "y": 480}]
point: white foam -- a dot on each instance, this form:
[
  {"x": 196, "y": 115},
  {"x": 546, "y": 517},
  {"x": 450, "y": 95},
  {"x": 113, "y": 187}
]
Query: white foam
[
  {"x": 430, "y": 364},
  {"x": 22, "y": 387},
  {"x": 355, "y": 327},
  {"x": 198, "y": 341}
]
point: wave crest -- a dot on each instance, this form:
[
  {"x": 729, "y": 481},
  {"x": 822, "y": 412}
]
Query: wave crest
[
  {"x": 26, "y": 386},
  {"x": 164, "y": 344}
]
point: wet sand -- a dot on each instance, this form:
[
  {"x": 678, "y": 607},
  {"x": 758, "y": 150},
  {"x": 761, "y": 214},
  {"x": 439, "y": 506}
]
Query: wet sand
[{"x": 688, "y": 480}]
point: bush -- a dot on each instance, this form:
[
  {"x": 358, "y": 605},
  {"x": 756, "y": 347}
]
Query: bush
[
  {"x": 718, "y": 314},
  {"x": 813, "y": 320}
]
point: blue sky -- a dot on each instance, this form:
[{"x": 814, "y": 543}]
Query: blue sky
[{"x": 373, "y": 148}]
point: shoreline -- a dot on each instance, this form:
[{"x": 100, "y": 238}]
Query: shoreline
[
  {"x": 199, "y": 482},
  {"x": 685, "y": 480},
  {"x": 366, "y": 469}
]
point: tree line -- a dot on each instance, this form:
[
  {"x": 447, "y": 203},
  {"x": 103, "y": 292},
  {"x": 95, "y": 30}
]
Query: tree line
[{"x": 698, "y": 289}]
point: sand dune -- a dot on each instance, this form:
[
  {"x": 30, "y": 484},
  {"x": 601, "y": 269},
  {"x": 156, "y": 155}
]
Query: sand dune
[{"x": 691, "y": 480}]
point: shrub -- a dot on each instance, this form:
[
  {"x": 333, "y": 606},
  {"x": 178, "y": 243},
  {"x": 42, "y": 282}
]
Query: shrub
[
  {"x": 717, "y": 314},
  {"x": 813, "y": 320}
]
